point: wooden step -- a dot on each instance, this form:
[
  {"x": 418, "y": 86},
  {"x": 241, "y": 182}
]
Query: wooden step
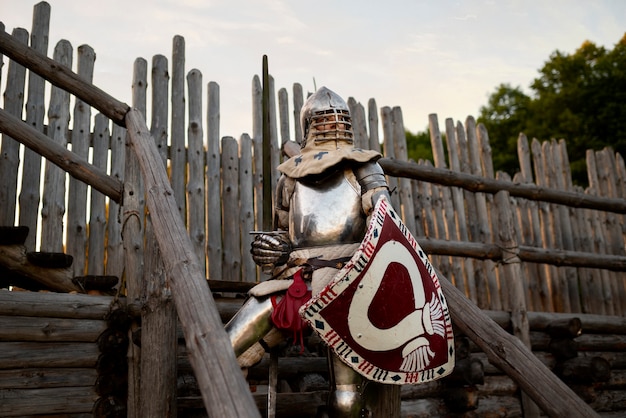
[
  {"x": 13, "y": 235},
  {"x": 94, "y": 282},
  {"x": 50, "y": 259}
]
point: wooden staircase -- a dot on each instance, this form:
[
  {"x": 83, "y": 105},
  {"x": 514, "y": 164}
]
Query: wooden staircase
[{"x": 44, "y": 271}]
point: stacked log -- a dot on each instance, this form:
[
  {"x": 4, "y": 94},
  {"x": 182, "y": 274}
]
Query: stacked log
[
  {"x": 586, "y": 351},
  {"x": 58, "y": 353},
  {"x": 52, "y": 349}
]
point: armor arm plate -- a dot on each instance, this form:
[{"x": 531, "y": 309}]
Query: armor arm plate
[
  {"x": 373, "y": 184},
  {"x": 284, "y": 190}
]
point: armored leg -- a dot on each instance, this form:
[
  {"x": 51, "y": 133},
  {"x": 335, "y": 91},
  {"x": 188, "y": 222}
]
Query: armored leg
[
  {"x": 250, "y": 324},
  {"x": 345, "y": 398}
]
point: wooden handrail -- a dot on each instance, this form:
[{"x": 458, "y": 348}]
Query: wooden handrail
[
  {"x": 478, "y": 184},
  {"x": 63, "y": 77},
  {"x": 510, "y": 355},
  {"x": 224, "y": 390},
  {"x": 61, "y": 156},
  {"x": 559, "y": 258}
]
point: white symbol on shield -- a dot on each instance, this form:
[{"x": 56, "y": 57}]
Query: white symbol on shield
[{"x": 427, "y": 318}]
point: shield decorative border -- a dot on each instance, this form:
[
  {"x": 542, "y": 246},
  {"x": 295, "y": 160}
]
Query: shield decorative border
[{"x": 384, "y": 314}]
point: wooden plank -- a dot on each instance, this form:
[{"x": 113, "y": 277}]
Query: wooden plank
[
  {"x": 246, "y": 208},
  {"x": 257, "y": 143},
  {"x": 372, "y": 113},
  {"x": 35, "y": 112},
  {"x": 15, "y": 355},
  {"x": 114, "y": 245},
  {"x": 544, "y": 222},
  {"x": 275, "y": 146},
  {"x": 178, "y": 149},
  {"x": 55, "y": 305},
  {"x": 25, "y": 328},
  {"x": 389, "y": 152},
  {"x": 230, "y": 210},
  {"x": 196, "y": 182},
  {"x": 359, "y": 127},
  {"x": 283, "y": 115},
  {"x": 566, "y": 218},
  {"x": 464, "y": 268},
  {"x": 157, "y": 393},
  {"x": 53, "y": 198},
  {"x": 77, "y": 191},
  {"x": 512, "y": 273},
  {"x": 159, "y": 120},
  {"x": 298, "y": 102},
  {"x": 133, "y": 219},
  {"x": 304, "y": 404},
  {"x": 473, "y": 267},
  {"x": 438, "y": 219},
  {"x": 607, "y": 177},
  {"x": 449, "y": 230},
  {"x": 13, "y": 104},
  {"x": 47, "y": 378},
  {"x": 482, "y": 212},
  {"x": 553, "y": 239},
  {"x": 22, "y": 402},
  {"x": 97, "y": 207},
  {"x": 598, "y": 220},
  {"x": 214, "y": 181},
  {"x": 224, "y": 390},
  {"x": 528, "y": 215},
  {"x": 406, "y": 207}
]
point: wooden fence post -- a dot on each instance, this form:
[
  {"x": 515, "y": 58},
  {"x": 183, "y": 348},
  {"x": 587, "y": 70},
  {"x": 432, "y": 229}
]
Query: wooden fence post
[
  {"x": 13, "y": 104},
  {"x": 196, "y": 211},
  {"x": 53, "y": 199},
  {"x": 77, "y": 192},
  {"x": 133, "y": 222},
  {"x": 35, "y": 112},
  {"x": 512, "y": 273},
  {"x": 214, "y": 180}
]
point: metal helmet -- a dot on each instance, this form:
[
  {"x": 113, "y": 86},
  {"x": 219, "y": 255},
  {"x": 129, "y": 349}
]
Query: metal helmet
[{"x": 324, "y": 117}]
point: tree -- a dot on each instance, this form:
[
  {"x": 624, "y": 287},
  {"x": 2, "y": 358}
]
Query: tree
[
  {"x": 418, "y": 146},
  {"x": 580, "y": 97},
  {"x": 504, "y": 117}
]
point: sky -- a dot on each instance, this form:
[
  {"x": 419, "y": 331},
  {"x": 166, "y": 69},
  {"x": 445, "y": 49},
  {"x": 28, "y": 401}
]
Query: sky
[{"x": 444, "y": 57}]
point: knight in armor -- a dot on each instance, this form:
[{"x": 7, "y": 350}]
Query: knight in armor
[{"x": 323, "y": 199}]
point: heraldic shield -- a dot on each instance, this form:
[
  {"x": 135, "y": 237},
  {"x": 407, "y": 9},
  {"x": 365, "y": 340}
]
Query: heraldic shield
[{"x": 384, "y": 313}]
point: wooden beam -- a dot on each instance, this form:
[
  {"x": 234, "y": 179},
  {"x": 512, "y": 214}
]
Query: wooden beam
[
  {"x": 559, "y": 258},
  {"x": 61, "y": 156},
  {"x": 223, "y": 387},
  {"x": 511, "y": 356},
  {"x": 481, "y": 184},
  {"x": 63, "y": 77}
]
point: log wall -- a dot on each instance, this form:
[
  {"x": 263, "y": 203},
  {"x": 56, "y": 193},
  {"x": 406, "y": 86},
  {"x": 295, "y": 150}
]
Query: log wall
[{"x": 51, "y": 361}]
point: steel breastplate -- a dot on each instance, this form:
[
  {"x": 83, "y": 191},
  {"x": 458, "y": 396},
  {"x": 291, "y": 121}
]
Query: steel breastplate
[{"x": 326, "y": 212}]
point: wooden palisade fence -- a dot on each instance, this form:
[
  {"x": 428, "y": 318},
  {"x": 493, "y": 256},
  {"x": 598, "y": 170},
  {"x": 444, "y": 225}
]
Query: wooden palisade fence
[{"x": 533, "y": 253}]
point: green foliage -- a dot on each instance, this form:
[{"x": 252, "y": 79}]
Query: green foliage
[
  {"x": 580, "y": 97},
  {"x": 418, "y": 146}
]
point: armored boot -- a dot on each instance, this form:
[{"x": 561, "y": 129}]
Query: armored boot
[{"x": 345, "y": 399}]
